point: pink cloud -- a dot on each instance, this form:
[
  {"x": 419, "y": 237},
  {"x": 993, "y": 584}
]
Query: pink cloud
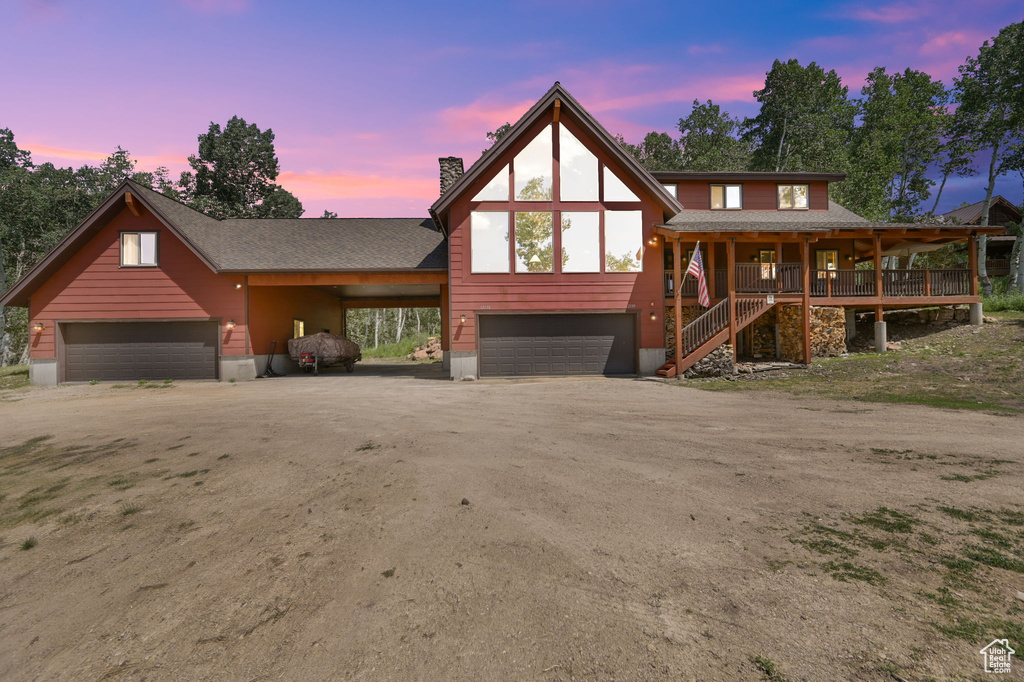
[
  {"x": 720, "y": 89},
  {"x": 475, "y": 119},
  {"x": 61, "y": 153},
  {"x": 889, "y": 14},
  {"x": 942, "y": 43},
  {"x": 323, "y": 186}
]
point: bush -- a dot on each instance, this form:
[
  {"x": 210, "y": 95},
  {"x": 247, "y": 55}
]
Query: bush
[
  {"x": 1001, "y": 299},
  {"x": 396, "y": 350}
]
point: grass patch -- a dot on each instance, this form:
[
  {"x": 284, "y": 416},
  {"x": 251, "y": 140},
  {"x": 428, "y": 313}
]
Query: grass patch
[
  {"x": 396, "y": 350},
  {"x": 943, "y": 597},
  {"x": 887, "y": 520},
  {"x": 223, "y": 457},
  {"x": 129, "y": 508},
  {"x": 994, "y": 558},
  {"x": 29, "y": 544},
  {"x": 768, "y": 669},
  {"x": 963, "y": 514},
  {"x": 826, "y": 546},
  {"x": 120, "y": 483},
  {"x": 368, "y": 445},
  {"x": 983, "y": 630},
  {"x": 846, "y": 572},
  {"x": 15, "y": 376}
]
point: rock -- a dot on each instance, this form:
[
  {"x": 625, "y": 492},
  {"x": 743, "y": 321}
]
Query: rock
[
  {"x": 469, "y": 377},
  {"x": 465, "y": 502},
  {"x": 1019, "y": 596},
  {"x": 717, "y": 363},
  {"x": 988, "y": 320}
]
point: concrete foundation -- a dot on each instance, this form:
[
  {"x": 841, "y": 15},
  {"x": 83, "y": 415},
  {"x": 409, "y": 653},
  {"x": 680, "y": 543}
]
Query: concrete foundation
[
  {"x": 42, "y": 372},
  {"x": 462, "y": 364},
  {"x": 446, "y": 360},
  {"x": 282, "y": 364},
  {"x": 238, "y": 367},
  {"x": 650, "y": 360},
  {"x": 851, "y": 324},
  {"x": 881, "y": 337},
  {"x": 977, "y": 314}
]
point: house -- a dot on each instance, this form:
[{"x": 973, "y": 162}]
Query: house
[
  {"x": 555, "y": 253},
  {"x": 1000, "y": 247}
]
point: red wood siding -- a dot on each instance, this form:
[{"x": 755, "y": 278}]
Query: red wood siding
[
  {"x": 272, "y": 310},
  {"x": 758, "y": 195},
  {"x": 93, "y": 286},
  {"x": 557, "y": 292}
]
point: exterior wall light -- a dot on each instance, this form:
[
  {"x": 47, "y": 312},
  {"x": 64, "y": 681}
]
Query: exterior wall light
[
  {"x": 653, "y": 241},
  {"x": 38, "y": 327},
  {"x": 238, "y": 286},
  {"x": 654, "y": 316},
  {"x": 463, "y": 318},
  {"x": 231, "y": 324},
  {"x": 849, "y": 257}
]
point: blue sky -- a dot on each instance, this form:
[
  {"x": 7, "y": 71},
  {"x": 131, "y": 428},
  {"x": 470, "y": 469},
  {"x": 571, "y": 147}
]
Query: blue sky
[{"x": 364, "y": 97}]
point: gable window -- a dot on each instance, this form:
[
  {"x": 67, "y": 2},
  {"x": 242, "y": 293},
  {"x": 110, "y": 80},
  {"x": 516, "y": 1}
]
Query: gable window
[
  {"x": 615, "y": 189},
  {"x": 826, "y": 260},
  {"x": 792, "y": 196},
  {"x": 533, "y": 168},
  {"x": 581, "y": 241},
  {"x": 535, "y": 250},
  {"x": 298, "y": 328},
  {"x": 672, "y": 189},
  {"x": 138, "y": 249},
  {"x": 488, "y": 238},
  {"x": 726, "y": 196},
  {"x": 577, "y": 169},
  {"x": 623, "y": 241},
  {"x": 496, "y": 189}
]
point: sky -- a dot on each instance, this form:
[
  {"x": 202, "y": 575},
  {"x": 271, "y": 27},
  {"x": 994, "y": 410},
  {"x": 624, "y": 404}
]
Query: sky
[{"x": 363, "y": 97}]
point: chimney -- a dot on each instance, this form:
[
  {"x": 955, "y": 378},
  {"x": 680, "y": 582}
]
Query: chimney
[{"x": 451, "y": 170}]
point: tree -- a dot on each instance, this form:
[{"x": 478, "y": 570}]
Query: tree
[
  {"x": 234, "y": 172},
  {"x": 898, "y": 140},
  {"x": 329, "y": 214},
  {"x": 534, "y": 230},
  {"x": 496, "y": 135},
  {"x": 990, "y": 95},
  {"x": 805, "y": 121},
  {"x": 656, "y": 152},
  {"x": 955, "y": 157},
  {"x": 709, "y": 140}
]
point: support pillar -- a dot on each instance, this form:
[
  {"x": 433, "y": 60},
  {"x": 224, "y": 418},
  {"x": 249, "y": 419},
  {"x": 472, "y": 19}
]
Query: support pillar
[
  {"x": 677, "y": 274},
  {"x": 881, "y": 337},
  {"x": 851, "y": 324},
  {"x": 731, "y": 278},
  {"x": 712, "y": 279},
  {"x": 878, "y": 265},
  {"x": 972, "y": 262},
  {"x": 977, "y": 314},
  {"x": 805, "y": 256}
]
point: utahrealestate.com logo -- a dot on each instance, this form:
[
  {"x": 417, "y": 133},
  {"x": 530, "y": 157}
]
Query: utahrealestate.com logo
[{"x": 997, "y": 656}]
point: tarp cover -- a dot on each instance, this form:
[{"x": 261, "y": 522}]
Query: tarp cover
[{"x": 328, "y": 348}]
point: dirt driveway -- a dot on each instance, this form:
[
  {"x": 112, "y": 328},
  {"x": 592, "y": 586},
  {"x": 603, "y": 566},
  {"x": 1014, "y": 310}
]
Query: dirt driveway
[{"x": 313, "y": 528}]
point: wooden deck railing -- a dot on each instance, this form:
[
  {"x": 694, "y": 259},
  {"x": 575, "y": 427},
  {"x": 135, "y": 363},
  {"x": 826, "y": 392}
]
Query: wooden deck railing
[
  {"x": 706, "y": 326},
  {"x": 997, "y": 264},
  {"x": 785, "y": 278}
]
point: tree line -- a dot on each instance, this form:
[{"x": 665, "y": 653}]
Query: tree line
[{"x": 373, "y": 327}]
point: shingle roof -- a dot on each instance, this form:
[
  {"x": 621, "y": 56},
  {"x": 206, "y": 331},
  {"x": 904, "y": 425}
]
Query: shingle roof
[
  {"x": 307, "y": 244},
  {"x": 766, "y": 221},
  {"x": 970, "y": 215}
]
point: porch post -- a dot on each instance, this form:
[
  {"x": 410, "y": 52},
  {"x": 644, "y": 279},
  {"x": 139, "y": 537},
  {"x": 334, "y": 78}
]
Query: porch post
[
  {"x": 805, "y": 256},
  {"x": 878, "y": 265},
  {"x": 446, "y": 320},
  {"x": 712, "y": 286},
  {"x": 972, "y": 262},
  {"x": 731, "y": 278},
  {"x": 677, "y": 275},
  {"x": 778, "y": 264}
]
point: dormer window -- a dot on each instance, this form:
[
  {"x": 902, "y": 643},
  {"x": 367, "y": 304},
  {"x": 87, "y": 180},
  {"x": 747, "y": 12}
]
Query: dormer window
[
  {"x": 726, "y": 196},
  {"x": 792, "y": 197},
  {"x": 138, "y": 249}
]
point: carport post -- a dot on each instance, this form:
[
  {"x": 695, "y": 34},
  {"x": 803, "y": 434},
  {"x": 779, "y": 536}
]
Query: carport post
[{"x": 677, "y": 277}]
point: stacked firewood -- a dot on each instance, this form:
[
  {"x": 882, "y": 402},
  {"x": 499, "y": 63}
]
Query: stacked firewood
[
  {"x": 828, "y": 332},
  {"x": 429, "y": 351},
  {"x": 690, "y": 313},
  {"x": 762, "y": 335}
]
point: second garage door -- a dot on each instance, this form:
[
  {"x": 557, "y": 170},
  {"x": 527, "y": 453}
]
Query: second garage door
[
  {"x": 112, "y": 351},
  {"x": 550, "y": 345}
]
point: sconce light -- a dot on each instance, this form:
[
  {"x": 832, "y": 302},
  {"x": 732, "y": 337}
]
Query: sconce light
[
  {"x": 38, "y": 327},
  {"x": 653, "y": 241},
  {"x": 463, "y": 318},
  {"x": 849, "y": 257},
  {"x": 753, "y": 259},
  {"x": 653, "y": 316},
  {"x": 231, "y": 324},
  {"x": 238, "y": 286}
]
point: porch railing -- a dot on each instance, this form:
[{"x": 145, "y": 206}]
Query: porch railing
[{"x": 785, "y": 278}]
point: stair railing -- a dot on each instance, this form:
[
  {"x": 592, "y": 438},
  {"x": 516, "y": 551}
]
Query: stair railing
[{"x": 700, "y": 330}]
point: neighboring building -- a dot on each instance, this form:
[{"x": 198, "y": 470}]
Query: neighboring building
[
  {"x": 1000, "y": 247},
  {"x": 555, "y": 253}
]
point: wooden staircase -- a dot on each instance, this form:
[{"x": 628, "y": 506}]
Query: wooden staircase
[{"x": 711, "y": 330}]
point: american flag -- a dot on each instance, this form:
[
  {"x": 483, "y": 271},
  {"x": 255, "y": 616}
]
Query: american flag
[{"x": 696, "y": 268}]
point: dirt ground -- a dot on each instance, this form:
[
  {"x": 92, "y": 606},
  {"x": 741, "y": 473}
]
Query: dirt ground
[{"x": 314, "y": 528}]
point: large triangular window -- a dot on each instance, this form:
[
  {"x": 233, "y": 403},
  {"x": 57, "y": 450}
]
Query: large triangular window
[
  {"x": 532, "y": 167},
  {"x": 577, "y": 169}
]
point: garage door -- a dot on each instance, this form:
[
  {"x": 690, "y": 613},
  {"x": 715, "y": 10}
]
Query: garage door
[
  {"x": 140, "y": 350},
  {"x": 546, "y": 345}
]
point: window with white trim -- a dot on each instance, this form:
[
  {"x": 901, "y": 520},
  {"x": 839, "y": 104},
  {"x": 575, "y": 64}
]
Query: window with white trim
[
  {"x": 138, "y": 249},
  {"x": 792, "y": 197},
  {"x": 726, "y": 196}
]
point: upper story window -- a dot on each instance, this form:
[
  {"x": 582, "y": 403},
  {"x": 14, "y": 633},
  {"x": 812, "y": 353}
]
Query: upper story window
[
  {"x": 672, "y": 189},
  {"x": 488, "y": 234},
  {"x": 138, "y": 249},
  {"x": 792, "y": 196},
  {"x": 496, "y": 189},
  {"x": 577, "y": 169},
  {"x": 533, "y": 168},
  {"x": 726, "y": 196}
]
